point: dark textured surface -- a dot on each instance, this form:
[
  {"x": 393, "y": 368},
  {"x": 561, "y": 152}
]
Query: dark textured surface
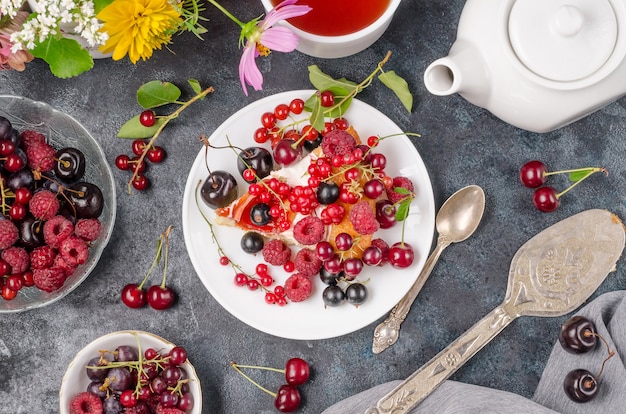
[{"x": 461, "y": 144}]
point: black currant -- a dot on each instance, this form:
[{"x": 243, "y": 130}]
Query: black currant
[
  {"x": 252, "y": 242},
  {"x": 310, "y": 145},
  {"x": 260, "y": 214},
  {"x": 333, "y": 296},
  {"x": 327, "y": 193},
  {"x": 356, "y": 293},
  {"x": 329, "y": 278},
  {"x": 580, "y": 385},
  {"x": 578, "y": 335}
]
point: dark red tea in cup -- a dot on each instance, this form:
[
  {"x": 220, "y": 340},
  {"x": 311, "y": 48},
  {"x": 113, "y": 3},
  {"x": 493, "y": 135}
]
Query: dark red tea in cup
[{"x": 338, "y": 17}]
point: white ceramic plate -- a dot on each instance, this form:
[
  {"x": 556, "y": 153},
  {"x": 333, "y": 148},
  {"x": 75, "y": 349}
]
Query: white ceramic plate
[
  {"x": 308, "y": 319},
  {"x": 76, "y": 381}
]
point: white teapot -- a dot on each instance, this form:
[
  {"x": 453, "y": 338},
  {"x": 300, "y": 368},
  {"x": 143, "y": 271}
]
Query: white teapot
[{"x": 536, "y": 64}]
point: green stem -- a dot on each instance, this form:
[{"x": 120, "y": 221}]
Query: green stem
[
  {"x": 167, "y": 119},
  {"x": 227, "y": 13},
  {"x": 236, "y": 368},
  {"x": 590, "y": 171},
  {"x": 157, "y": 258},
  {"x": 166, "y": 237},
  {"x": 282, "y": 371}
]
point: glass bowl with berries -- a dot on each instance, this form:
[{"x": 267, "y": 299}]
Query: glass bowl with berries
[
  {"x": 57, "y": 204},
  {"x": 130, "y": 370},
  {"x": 308, "y": 233}
]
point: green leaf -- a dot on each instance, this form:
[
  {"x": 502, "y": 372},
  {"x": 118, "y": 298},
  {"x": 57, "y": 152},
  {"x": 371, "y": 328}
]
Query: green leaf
[
  {"x": 401, "y": 190},
  {"x": 134, "y": 130},
  {"x": 156, "y": 93},
  {"x": 101, "y": 4},
  {"x": 402, "y": 211},
  {"x": 317, "y": 115},
  {"x": 195, "y": 85},
  {"x": 399, "y": 86},
  {"x": 66, "y": 57},
  {"x": 322, "y": 81},
  {"x": 578, "y": 175}
]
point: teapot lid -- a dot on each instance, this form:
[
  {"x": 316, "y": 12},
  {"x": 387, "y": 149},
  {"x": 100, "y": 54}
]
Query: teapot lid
[{"x": 563, "y": 40}]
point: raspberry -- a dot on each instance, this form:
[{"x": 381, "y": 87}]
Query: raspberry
[
  {"x": 44, "y": 205},
  {"x": 61, "y": 263},
  {"x": 164, "y": 410},
  {"x": 40, "y": 156},
  {"x": 298, "y": 287},
  {"x": 401, "y": 182},
  {"x": 74, "y": 250},
  {"x": 57, "y": 229},
  {"x": 8, "y": 234},
  {"x": 363, "y": 218},
  {"x": 384, "y": 248},
  {"x": 86, "y": 403},
  {"x": 17, "y": 258},
  {"x": 276, "y": 253},
  {"x": 42, "y": 257},
  {"x": 337, "y": 142},
  {"x": 88, "y": 229},
  {"x": 140, "y": 408},
  {"x": 307, "y": 262},
  {"x": 309, "y": 231},
  {"x": 29, "y": 137}
]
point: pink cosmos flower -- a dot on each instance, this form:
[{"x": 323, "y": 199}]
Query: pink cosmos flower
[
  {"x": 13, "y": 60},
  {"x": 263, "y": 37}
]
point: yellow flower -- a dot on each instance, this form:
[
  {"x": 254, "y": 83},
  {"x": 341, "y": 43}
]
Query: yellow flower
[{"x": 137, "y": 27}]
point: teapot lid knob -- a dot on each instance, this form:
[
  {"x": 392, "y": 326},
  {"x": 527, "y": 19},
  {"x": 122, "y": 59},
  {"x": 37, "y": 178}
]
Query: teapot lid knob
[{"x": 563, "y": 40}]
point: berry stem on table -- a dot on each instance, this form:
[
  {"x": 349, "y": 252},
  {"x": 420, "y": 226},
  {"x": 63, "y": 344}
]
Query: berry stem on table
[
  {"x": 236, "y": 368},
  {"x": 166, "y": 119},
  {"x": 589, "y": 172}
]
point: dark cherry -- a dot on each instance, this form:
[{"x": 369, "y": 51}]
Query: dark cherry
[
  {"x": 297, "y": 371},
  {"x": 5, "y": 128},
  {"x": 287, "y": 399},
  {"x": 156, "y": 154},
  {"x": 31, "y": 232},
  {"x": 401, "y": 255},
  {"x": 219, "y": 189},
  {"x": 286, "y": 152},
  {"x": 70, "y": 164},
  {"x": 160, "y": 297},
  {"x": 87, "y": 199},
  {"x": 252, "y": 242},
  {"x": 6, "y": 147},
  {"x": 532, "y": 174},
  {"x": 260, "y": 214},
  {"x": 96, "y": 374},
  {"x": 580, "y": 385},
  {"x": 385, "y": 213},
  {"x": 22, "y": 178},
  {"x": 578, "y": 335},
  {"x": 257, "y": 158},
  {"x": 327, "y": 193}
]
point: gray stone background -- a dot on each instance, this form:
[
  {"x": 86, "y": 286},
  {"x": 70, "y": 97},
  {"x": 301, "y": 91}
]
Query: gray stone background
[{"x": 461, "y": 144}]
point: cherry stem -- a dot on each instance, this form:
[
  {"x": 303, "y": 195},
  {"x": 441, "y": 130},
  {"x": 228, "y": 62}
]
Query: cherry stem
[
  {"x": 166, "y": 120},
  {"x": 608, "y": 350},
  {"x": 165, "y": 236},
  {"x": 236, "y": 368},
  {"x": 580, "y": 180},
  {"x": 157, "y": 259}
]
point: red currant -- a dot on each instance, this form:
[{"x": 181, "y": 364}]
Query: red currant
[
  {"x": 138, "y": 146},
  {"x": 241, "y": 279},
  {"x": 327, "y": 99},
  {"x": 224, "y": 261},
  {"x": 147, "y": 118},
  {"x": 268, "y": 120},
  {"x": 178, "y": 355},
  {"x": 128, "y": 399},
  {"x": 296, "y": 106},
  {"x": 341, "y": 123},
  {"x": 281, "y": 112},
  {"x": 140, "y": 182},
  {"x": 261, "y": 136},
  {"x": 156, "y": 154},
  {"x": 122, "y": 162},
  {"x": 23, "y": 195}
]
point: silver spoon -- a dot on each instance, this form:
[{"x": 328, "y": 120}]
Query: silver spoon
[
  {"x": 550, "y": 275},
  {"x": 456, "y": 220}
]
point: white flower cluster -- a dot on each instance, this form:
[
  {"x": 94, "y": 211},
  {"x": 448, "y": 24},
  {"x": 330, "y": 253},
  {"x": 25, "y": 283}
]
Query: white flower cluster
[
  {"x": 10, "y": 7},
  {"x": 57, "y": 17}
]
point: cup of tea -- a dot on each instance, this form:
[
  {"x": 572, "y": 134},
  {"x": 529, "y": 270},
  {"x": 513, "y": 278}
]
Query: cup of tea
[{"x": 335, "y": 29}]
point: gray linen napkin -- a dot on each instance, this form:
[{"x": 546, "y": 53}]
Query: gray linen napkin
[{"x": 608, "y": 312}]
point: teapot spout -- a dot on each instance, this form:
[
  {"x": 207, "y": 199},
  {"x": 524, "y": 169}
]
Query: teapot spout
[{"x": 463, "y": 71}]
